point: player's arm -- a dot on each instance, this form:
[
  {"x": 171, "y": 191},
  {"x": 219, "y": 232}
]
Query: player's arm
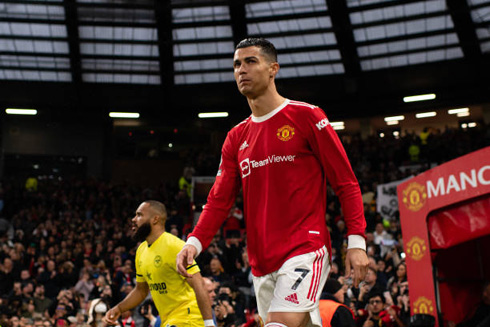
[
  {"x": 329, "y": 150},
  {"x": 197, "y": 283},
  {"x": 219, "y": 202},
  {"x": 137, "y": 295}
]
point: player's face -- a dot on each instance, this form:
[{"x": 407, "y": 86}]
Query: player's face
[
  {"x": 253, "y": 72},
  {"x": 141, "y": 226}
]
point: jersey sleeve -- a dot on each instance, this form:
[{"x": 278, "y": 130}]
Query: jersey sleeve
[
  {"x": 175, "y": 249},
  {"x": 222, "y": 195},
  {"x": 329, "y": 150},
  {"x": 193, "y": 269},
  {"x": 139, "y": 276}
]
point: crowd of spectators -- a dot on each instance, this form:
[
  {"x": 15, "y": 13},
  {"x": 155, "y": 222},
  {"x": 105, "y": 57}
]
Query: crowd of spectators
[{"x": 66, "y": 253}]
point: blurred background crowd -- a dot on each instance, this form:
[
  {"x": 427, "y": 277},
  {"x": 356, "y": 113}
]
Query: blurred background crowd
[{"x": 66, "y": 253}]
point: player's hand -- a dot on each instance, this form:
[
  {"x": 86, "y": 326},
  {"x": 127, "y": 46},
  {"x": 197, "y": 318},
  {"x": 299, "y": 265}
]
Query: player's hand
[
  {"x": 185, "y": 258},
  {"x": 357, "y": 260},
  {"x": 111, "y": 316}
]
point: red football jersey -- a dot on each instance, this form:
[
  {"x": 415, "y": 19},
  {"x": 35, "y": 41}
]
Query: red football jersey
[{"x": 282, "y": 160}]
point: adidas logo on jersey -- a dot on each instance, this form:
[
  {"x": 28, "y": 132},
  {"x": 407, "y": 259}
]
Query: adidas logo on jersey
[
  {"x": 292, "y": 298},
  {"x": 243, "y": 146}
]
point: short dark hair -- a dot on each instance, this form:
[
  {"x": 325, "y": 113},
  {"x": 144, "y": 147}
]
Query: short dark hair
[
  {"x": 267, "y": 48},
  {"x": 158, "y": 207},
  {"x": 376, "y": 294}
]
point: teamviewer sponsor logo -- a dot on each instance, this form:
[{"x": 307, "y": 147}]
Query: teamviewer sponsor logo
[
  {"x": 245, "y": 167},
  {"x": 271, "y": 159},
  {"x": 322, "y": 124}
]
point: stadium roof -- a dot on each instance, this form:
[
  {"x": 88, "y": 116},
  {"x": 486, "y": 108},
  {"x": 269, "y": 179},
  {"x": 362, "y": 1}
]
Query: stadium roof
[{"x": 171, "y": 59}]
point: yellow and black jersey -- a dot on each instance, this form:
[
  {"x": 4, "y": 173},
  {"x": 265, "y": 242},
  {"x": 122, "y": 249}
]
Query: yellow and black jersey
[{"x": 173, "y": 296}]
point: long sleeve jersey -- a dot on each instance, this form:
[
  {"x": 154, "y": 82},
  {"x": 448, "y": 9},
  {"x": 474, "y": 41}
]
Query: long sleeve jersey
[{"x": 282, "y": 161}]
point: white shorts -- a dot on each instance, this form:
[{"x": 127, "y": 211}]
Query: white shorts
[{"x": 295, "y": 287}]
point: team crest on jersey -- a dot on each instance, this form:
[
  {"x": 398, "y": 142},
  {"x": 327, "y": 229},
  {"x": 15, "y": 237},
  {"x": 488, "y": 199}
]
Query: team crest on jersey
[
  {"x": 157, "y": 261},
  {"x": 285, "y": 133}
]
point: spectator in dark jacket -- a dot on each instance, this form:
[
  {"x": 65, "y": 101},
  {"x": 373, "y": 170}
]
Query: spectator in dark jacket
[{"x": 333, "y": 311}]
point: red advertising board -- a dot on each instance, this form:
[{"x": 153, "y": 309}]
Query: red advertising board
[{"x": 454, "y": 182}]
